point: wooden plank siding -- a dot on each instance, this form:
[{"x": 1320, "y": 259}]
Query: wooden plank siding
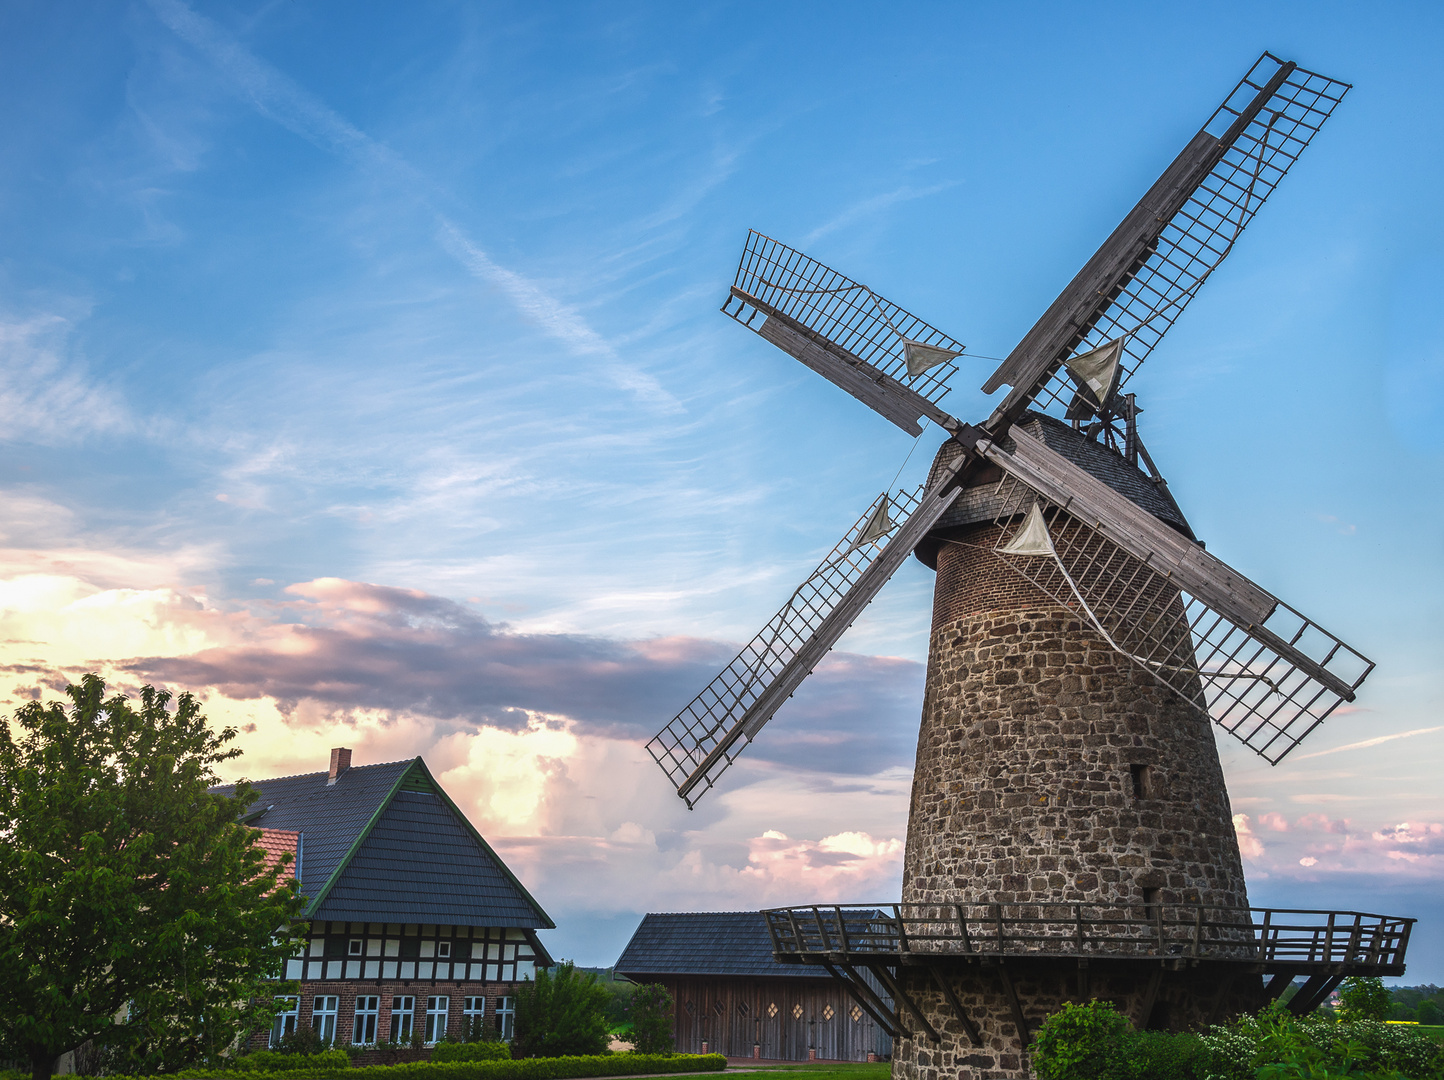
[{"x": 784, "y": 1017}]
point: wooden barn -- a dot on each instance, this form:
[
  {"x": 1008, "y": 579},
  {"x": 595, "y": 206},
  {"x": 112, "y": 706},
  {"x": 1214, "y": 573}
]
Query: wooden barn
[{"x": 734, "y": 999}]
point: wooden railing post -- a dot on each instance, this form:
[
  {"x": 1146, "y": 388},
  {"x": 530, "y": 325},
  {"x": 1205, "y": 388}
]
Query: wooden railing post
[
  {"x": 1197, "y": 927},
  {"x": 822, "y": 939},
  {"x": 963, "y": 928},
  {"x": 1078, "y": 926},
  {"x": 842, "y": 929},
  {"x": 998, "y": 921}
]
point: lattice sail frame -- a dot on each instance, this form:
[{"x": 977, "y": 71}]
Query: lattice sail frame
[
  {"x": 714, "y": 717},
  {"x": 773, "y": 277},
  {"x": 1202, "y": 233},
  {"x": 1218, "y": 667}
]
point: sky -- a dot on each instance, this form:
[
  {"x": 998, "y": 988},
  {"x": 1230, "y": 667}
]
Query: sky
[{"x": 362, "y": 373}]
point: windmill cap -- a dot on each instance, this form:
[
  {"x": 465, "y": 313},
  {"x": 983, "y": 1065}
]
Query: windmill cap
[{"x": 979, "y": 503}]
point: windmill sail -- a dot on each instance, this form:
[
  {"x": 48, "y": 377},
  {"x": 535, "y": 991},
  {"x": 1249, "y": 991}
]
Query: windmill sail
[
  {"x": 1242, "y": 658},
  {"x": 706, "y": 737},
  {"x": 885, "y": 356},
  {"x": 1138, "y": 283}
]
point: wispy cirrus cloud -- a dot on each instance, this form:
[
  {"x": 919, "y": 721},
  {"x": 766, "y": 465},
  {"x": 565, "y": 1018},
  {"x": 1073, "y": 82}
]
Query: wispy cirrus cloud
[
  {"x": 283, "y": 100},
  {"x": 871, "y": 205}
]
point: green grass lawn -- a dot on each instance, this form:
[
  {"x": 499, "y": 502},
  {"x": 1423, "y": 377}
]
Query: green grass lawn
[
  {"x": 1435, "y": 1031},
  {"x": 834, "y": 1070}
]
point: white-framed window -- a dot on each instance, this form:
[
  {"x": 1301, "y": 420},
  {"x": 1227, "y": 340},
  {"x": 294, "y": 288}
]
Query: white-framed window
[
  {"x": 436, "y": 1010},
  {"x": 355, "y": 947},
  {"x": 403, "y": 1010},
  {"x": 287, "y": 1017},
  {"x": 506, "y": 1016},
  {"x": 443, "y": 949},
  {"x": 368, "y": 1010},
  {"x": 473, "y": 1016},
  {"x": 323, "y": 1016}
]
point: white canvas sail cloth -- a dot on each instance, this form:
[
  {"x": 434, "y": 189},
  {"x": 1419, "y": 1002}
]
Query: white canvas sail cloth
[
  {"x": 1033, "y": 538},
  {"x": 1098, "y": 370},
  {"x": 921, "y": 358},
  {"x": 878, "y": 526}
]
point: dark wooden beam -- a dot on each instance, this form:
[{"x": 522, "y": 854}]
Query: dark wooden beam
[
  {"x": 900, "y": 995},
  {"x": 1017, "y": 1006},
  {"x": 1224, "y": 986},
  {"x": 1278, "y": 984},
  {"x": 1315, "y": 991},
  {"x": 885, "y": 1017},
  {"x": 1150, "y": 997},
  {"x": 967, "y": 1021}
]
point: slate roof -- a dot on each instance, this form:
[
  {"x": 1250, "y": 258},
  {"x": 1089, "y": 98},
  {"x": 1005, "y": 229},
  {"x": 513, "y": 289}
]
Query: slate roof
[
  {"x": 385, "y": 844},
  {"x": 978, "y": 504},
  {"x": 419, "y": 864},
  {"x": 705, "y": 943}
]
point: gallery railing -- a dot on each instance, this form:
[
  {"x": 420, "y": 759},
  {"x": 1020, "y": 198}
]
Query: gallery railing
[{"x": 922, "y": 931}]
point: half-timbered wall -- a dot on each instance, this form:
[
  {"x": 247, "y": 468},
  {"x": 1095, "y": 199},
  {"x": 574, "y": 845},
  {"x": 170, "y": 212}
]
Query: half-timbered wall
[
  {"x": 784, "y": 1017},
  {"x": 351, "y": 951}
]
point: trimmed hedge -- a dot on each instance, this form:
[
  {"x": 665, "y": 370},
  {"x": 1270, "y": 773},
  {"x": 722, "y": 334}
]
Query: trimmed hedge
[
  {"x": 471, "y": 1051},
  {"x": 558, "y": 1068}
]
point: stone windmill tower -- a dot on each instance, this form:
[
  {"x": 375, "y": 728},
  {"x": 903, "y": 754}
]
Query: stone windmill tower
[{"x": 1070, "y": 833}]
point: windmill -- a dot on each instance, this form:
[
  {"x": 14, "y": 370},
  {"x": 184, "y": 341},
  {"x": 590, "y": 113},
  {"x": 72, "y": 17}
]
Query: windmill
[{"x": 1068, "y": 808}]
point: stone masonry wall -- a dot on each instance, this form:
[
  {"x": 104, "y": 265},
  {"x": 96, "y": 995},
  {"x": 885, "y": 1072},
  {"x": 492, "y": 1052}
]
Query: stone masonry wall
[
  {"x": 1188, "y": 998},
  {"x": 1025, "y": 787},
  {"x": 1050, "y": 769}
]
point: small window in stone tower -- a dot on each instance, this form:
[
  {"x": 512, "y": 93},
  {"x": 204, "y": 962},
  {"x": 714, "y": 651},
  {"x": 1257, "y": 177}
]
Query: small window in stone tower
[
  {"x": 1142, "y": 781},
  {"x": 1150, "y": 904}
]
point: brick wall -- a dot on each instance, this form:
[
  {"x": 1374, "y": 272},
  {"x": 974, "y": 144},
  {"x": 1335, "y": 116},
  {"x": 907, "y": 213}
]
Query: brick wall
[{"x": 348, "y": 991}]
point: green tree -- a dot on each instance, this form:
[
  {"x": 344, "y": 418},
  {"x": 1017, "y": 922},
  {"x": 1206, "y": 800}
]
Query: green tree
[
  {"x": 135, "y": 908},
  {"x": 650, "y": 1012},
  {"x": 1364, "y": 999},
  {"x": 562, "y": 1012},
  {"x": 1430, "y": 1013}
]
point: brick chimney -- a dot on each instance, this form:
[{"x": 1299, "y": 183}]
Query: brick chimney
[{"x": 340, "y": 762}]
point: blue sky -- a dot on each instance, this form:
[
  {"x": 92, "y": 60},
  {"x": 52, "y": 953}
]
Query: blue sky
[{"x": 362, "y": 370}]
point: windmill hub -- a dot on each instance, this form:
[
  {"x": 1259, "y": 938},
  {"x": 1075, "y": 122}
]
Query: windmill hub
[{"x": 1070, "y": 832}]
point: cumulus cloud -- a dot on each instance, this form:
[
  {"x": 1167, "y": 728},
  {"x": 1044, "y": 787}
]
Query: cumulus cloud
[
  {"x": 344, "y": 645},
  {"x": 1249, "y": 845}
]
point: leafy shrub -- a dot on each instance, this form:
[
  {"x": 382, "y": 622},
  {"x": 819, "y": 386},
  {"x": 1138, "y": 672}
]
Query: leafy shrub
[
  {"x": 1157, "y": 1055},
  {"x": 559, "y": 1068},
  {"x": 471, "y": 1051},
  {"x": 277, "y": 1061},
  {"x": 1364, "y": 999},
  {"x": 650, "y": 1014},
  {"x": 1079, "y": 1042},
  {"x": 304, "y": 1040},
  {"x": 1429, "y": 1012},
  {"x": 1275, "y": 1045},
  {"x": 562, "y": 1013}
]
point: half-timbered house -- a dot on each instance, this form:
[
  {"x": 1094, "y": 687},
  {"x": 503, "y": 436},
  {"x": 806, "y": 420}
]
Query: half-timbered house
[
  {"x": 731, "y": 997},
  {"x": 414, "y": 923}
]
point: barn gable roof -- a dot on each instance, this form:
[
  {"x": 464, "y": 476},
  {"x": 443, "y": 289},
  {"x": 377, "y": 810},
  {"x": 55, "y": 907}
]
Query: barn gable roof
[
  {"x": 385, "y": 843},
  {"x": 705, "y": 943}
]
